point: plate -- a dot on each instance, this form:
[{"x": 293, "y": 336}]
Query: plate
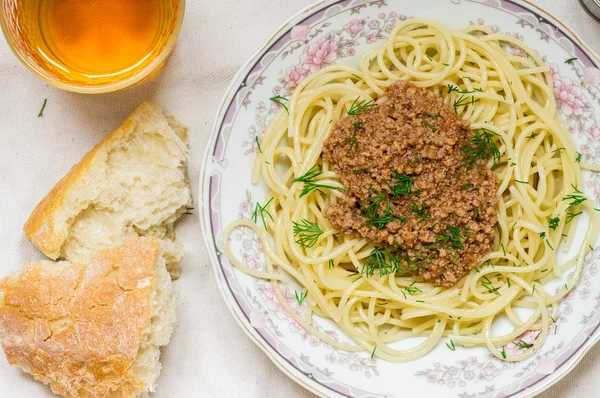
[{"x": 339, "y": 32}]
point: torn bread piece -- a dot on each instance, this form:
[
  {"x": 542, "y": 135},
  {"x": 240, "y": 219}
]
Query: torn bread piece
[
  {"x": 134, "y": 183},
  {"x": 91, "y": 330}
]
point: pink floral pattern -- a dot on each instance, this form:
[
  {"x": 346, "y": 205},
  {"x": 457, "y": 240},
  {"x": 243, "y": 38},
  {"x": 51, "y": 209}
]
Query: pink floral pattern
[
  {"x": 320, "y": 54},
  {"x": 268, "y": 311},
  {"x": 318, "y": 47},
  {"x": 569, "y": 97}
]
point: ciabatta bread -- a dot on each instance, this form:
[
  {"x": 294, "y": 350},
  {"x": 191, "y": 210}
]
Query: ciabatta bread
[
  {"x": 91, "y": 330},
  {"x": 134, "y": 183}
]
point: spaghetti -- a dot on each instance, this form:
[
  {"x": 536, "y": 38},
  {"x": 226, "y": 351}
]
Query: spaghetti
[{"x": 539, "y": 198}]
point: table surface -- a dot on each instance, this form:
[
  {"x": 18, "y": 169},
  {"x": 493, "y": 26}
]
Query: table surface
[{"x": 216, "y": 359}]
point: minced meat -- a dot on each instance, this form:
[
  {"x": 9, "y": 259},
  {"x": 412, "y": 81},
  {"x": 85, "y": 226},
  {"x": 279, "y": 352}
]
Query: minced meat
[{"x": 416, "y": 181}]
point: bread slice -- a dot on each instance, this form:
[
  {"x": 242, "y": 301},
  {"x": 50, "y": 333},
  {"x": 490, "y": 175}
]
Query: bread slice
[
  {"x": 91, "y": 330},
  {"x": 134, "y": 183}
]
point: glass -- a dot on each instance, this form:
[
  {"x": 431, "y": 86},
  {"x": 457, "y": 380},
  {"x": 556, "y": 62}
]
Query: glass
[{"x": 93, "y": 46}]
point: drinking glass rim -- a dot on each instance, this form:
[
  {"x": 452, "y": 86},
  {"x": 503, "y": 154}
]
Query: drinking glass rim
[{"x": 105, "y": 88}]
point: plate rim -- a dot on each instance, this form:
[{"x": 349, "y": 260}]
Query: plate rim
[{"x": 274, "y": 356}]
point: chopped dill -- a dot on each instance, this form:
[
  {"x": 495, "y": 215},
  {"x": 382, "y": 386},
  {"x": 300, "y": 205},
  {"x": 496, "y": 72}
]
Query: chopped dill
[
  {"x": 549, "y": 245},
  {"x": 373, "y": 353},
  {"x": 308, "y": 233},
  {"x": 371, "y": 213},
  {"x": 359, "y": 171},
  {"x": 331, "y": 264},
  {"x": 467, "y": 186},
  {"x": 503, "y": 249},
  {"x": 570, "y": 60},
  {"x": 278, "y": 100},
  {"x": 359, "y": 107},
  {"x": 542, "y": 235},
  {"x": 356, "y": 126},
  {"x": 258, "y": 145},
  {"x": 431, "y": 115},
  {"x": 451, "y": 346},
  {"x": 190, "y": 211},
  {"x": 503, "y": 353},
  {"x": 452, "y": 237},
  {"x": 424, "y": 211},
  {"x": 553, "y": 223},
  {"x": 522, "y": 182},
  {"x": 558, "y": 150},
  {"x": 401, "y": 185},
  {"x": 489, "y": 286},
  {"x": 428, "y": 124},
  {"x": 578, "y": 157},
  {"x": 353, "y": 142},
  {"x": 301, "y": 297},
  {"x": 477, "y": 213},
  {"x": 412, "y": 290},
  {"x": 523, "y": 345},
  {"x": 508, "y": 280},
  {"x": 41, "y": 114}
]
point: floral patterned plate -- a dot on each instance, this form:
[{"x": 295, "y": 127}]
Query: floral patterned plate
[{"x": 338, "y": 32}]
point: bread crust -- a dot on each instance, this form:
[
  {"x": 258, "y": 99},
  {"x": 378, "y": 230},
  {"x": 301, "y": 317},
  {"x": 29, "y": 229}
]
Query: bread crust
[
  {"x": 40, "y": 228},
  {"x": 79, "y": 327}
]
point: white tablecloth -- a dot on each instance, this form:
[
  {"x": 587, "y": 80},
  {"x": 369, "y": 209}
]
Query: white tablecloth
[{"x": 215, "y": 359}]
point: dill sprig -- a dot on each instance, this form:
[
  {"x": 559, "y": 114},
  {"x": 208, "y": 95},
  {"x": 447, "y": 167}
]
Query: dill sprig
[
  {"x": 571, "y": 216},
  {"x": 453, "y": 88},
  {"x": 431, "y": 115},
  {"x": 542, "y": 235},
  {"x": 308, "y": 233},
  {"x": 377, "y": 260},
  {"x": 310, "y": 181},
  {"x": 480, "y": 147},
  {"x": 463, "y": 101},
  {"x": 310, "y": 175},
  {"x": 262, "y": 210},
  {"x": 300, "y": 297},
  {"x": 278, "y": 100},
  {"x": 575, "y": 199},
  {"x": 359, "y": 107},
  {"x": 553, "y": 223}
]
